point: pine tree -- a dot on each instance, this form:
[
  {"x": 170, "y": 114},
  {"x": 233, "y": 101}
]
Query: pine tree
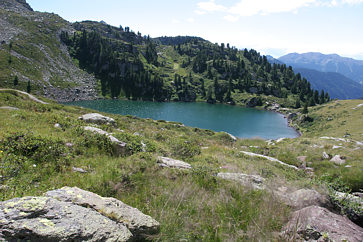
[
  {"x": 16, "y": 81},
  {"x": 305, "y": 110},
  {"x": 297, "y": 103},
  {"x": 28, "y": 87}
]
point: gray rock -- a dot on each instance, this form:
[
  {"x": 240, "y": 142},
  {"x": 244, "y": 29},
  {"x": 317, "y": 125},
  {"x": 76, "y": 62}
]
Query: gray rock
[
  {"x": 316, "y": 223},
  {"x": 337, "y": 160},
  {"x": 57, "y": 126},
  {"x": 47, "y": 219},
  {"x": 302, "y": 198},
  {"x": 80, "y": 170},
  {"x": 9, "y": 108},
  {"x": 138, "y": 223},
  {"x": 171, "y": 163},
  {"x": 254, "y": 181},
  {"x": 325, "y": 155},
  {"x": 269, "y": 158},
  {"x": 119, "y": 147},
  {"x": 350, "y": 205},
  {"x": 336, "y": 147},
  {"x": 97, "y": 118}
]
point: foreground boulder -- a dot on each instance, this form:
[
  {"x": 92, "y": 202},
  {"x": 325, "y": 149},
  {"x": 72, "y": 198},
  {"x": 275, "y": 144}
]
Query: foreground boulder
[
  {"x": 137, "y": 222},
  {"x": 302, "y": 198},
  {"x": 47, "y": 219},
  {"x": 171, "y": 163},
  {"x": 254, "y": 181},
  {"x": 319, "y": 224},
  {"x": 97, "y": 118},
  {"x": 119, "y": 147}
]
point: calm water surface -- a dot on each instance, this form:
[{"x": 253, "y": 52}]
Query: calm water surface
[{"x": 239, "y": 121}]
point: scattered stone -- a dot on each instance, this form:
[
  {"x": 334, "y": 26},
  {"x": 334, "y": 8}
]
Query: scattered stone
[
  {"x": 338, "y": 160},
  {"x": 325, "y": 155},
  {"x": 291, "y": 116},
  {"x": 302, "y": 158},
  {"x": 358, "y": 106},
  {"x": 118, "y": 146},
  {"x": 80, "y": 170},
  {"x": 204, "y": 148},
  {"x": 171, "y": 163},
  {"x": 254, "y": 181},
  {"x": 9, "y": 108},
  {"x": 47, "y": 219},
  {"x": 4, "y": 187},
  {"x": 302, "y": 198},
  {"x": 336, "y": 147},
  {"x": 269, "y": 158},
  {"x": 316, "y": 223},
  {"x": 254, "y": 146},
  {"x": 270, "y": 142},
  {"x": 280, "y": 139},
  {"x": 57, "y": 126},
  {"x": 318, "y": 146},
  {"x": 69, "y": 145},
  {"x": 97, "y": 118},
  {"x": 348, "y": 166},
  {"x": 358, "y": 194},
  {"x": 233, "y": 138},
  {"x": 139, "y": 224}
]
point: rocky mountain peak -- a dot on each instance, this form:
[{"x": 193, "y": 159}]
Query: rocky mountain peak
[{"x": 18, "y": 6}]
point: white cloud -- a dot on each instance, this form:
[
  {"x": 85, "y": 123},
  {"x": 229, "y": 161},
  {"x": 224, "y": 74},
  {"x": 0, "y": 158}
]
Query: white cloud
[
  {"x": 231, "y": 18},
  {"x": 352, "y": 1},
  {"x": 175, "y": 21},
  {"x": 265, "y": 7},
  {"x": 254, "y": 7},
  {"x": 211, "y": 6},
  {"x": 191, "y": 20},
  {"x": 199, "y": 12}
]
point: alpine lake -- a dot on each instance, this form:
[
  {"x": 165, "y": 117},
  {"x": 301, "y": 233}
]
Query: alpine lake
[{"x": 239, "y": 121}]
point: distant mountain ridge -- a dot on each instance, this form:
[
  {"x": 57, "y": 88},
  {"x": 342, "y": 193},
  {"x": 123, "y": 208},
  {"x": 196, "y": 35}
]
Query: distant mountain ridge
[
  {"x": 348, "y": 67},
  {"x": 338, "y": 86}
]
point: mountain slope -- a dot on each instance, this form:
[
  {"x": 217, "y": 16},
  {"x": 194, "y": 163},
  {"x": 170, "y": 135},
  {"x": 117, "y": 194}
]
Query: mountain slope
[
  {"x": 348, "y": 67},
  {"x": 31, "y": 54},
  {"x": 337, "y": 85}
]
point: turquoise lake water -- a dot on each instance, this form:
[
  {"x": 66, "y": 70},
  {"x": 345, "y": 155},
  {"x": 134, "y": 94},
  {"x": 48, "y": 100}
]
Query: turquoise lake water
[{"x": 239, "y": 121}]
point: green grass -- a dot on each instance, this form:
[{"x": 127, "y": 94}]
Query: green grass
[{"x": 189, "y": 204}]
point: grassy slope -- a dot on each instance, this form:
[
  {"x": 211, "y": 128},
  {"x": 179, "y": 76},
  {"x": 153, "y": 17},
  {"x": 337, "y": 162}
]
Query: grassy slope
[{"x": 192, "y": 205}]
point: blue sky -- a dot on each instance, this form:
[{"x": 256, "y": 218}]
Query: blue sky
[{"x": 274, "y": 27}]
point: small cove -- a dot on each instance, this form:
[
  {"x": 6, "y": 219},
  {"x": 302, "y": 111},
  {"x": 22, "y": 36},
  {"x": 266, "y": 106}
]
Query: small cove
[{"x": 239, "y": 121}]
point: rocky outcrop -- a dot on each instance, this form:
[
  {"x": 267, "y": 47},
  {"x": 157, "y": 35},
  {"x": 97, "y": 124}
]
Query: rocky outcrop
[
  {"x": 270, "y": 159},
  {"x": 96, "y": 118},
  {"x": 138, "y": 223},
  {"x": 254, "y": 181},
  {"x": 172, "y": 163},
  {"x": 47, "y": 219},
  {"x": 319, "y": 224},
  {"x": 302, "y": 198},
  {"x": 350, "y": 205},
  {"x": 119, "y": 147},
  {"x": 72, "y": 214},
  {"x": 19, "y": 6}
]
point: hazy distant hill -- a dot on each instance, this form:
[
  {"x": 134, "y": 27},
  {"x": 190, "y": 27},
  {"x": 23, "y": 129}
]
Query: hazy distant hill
[
  {"x": 327, "y": 63},
  {"x": 336, "y": 84}
]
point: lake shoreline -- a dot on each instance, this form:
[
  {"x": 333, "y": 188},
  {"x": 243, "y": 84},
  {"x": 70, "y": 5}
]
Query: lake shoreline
[{"x": 240, "y": 121}]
